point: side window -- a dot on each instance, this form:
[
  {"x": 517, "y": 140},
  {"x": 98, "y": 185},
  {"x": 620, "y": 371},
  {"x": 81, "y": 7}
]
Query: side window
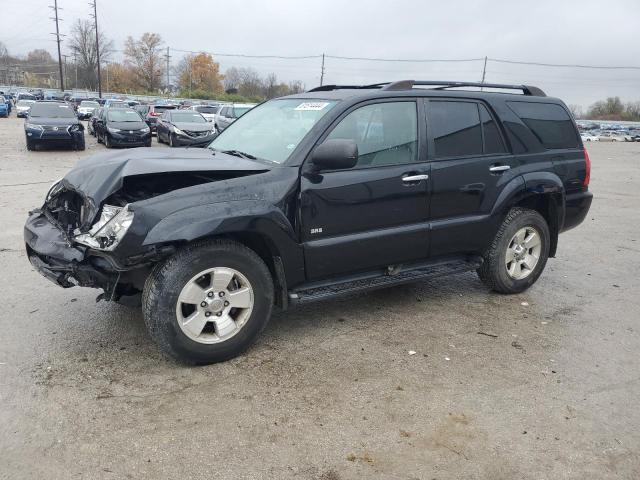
[
  {"x": 550, "y": 123},
  {"x": 386, "y": 133},
  {"x": 224, "y": 111},
  {"x": 492, "y": 140},
  {"x": 455, "y": 128}
]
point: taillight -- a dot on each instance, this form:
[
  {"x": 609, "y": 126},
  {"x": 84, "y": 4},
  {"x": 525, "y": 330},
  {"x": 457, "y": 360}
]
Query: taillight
[
  {"x": 587, "y": 175},
  {"x": 154, "y": 114}
]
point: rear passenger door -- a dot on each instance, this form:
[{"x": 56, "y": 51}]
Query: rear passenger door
[{"x": 470, "y": 167}]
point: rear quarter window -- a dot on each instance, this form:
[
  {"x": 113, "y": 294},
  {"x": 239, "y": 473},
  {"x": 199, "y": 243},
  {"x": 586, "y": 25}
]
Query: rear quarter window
[{"x": 549, "y": 123}]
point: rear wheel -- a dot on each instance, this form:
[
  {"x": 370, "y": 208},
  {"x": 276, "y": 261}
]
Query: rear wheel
[
  {"x": 518, "y": 254},
  {"x": 208, "y": 302}
]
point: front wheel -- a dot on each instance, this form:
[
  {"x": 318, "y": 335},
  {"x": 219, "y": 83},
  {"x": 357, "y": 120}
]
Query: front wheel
[
  {"x": 518, "y": 254},
  {"x": 172, "y": 142},
  {"x": 208, "y": 302},
  {"x": 107, "y": 141}
]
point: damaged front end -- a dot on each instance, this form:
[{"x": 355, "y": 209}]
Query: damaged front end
[{"x": 91, "y": 232}]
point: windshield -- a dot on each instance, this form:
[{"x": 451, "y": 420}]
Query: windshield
[
  {"x": 118, "y": 105},
  {"x": 187, "y": 117},
  {"x": 115, "y": 115},
  {"x": 87, "y": 103},
  {"x": 207, "y": 109},
  {"x": 272, "y": 131},
  {"x": 51, "y": 110}
]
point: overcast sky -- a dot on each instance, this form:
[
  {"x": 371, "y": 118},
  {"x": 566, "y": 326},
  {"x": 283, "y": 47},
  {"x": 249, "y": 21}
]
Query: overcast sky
[{"x": 591, "y": 32}]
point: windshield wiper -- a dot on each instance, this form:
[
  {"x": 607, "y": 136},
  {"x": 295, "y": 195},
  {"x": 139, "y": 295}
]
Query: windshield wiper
[{"x": 238, "y": 153}]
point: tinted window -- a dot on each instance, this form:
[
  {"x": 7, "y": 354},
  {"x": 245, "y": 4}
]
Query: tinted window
[
  {"x": 51, "y": 110},
  {"x": 456, "y": 128},
  {"x": 550, "y": 123},
  {"x": 492, "y": 139},
  {"x": 162, "y": 108},
  {"x": 207, "y": 109},
  {"x": 386, "y": 133}
]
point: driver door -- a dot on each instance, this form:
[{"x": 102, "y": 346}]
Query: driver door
[{"x": 373, "y": 215}]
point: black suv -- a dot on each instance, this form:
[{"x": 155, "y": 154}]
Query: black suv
[{"x": 315, "y": 195}]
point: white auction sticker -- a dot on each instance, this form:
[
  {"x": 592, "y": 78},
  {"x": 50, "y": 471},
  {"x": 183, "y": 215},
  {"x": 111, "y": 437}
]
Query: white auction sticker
[{"x": 312, "y": 106}]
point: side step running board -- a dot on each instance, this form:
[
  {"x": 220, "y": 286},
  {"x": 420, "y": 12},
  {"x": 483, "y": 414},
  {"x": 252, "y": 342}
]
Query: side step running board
[{"x": 312, "y": 293}]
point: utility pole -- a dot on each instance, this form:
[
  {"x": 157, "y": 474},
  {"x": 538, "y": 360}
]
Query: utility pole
[
  {"x": 322, "y": 71},
  {"x": 95, "y": 18},
  {"x": 64, "y": 71},
  {"x": 75, "y": 63},
  {"x": 168, "y": 57},
  {"x": 57, "y": 34}
]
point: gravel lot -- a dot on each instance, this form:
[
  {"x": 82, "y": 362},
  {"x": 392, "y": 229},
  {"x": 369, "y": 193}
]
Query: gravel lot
[{"x": 543, "y": 385}]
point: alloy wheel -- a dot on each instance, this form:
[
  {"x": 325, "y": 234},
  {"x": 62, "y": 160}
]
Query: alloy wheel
[
  {"x": 523, "y": 253},
  {"x": 214, "y": 305}
]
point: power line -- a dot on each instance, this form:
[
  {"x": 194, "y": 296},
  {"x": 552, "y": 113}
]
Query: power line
[{"x": 598, "y": 67}]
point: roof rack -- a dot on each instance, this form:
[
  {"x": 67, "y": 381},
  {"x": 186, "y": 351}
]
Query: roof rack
[{"x": 438, "y": 85}]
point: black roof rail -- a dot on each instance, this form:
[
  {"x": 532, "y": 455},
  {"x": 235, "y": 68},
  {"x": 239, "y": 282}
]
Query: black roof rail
[
  {"x": 438, "y": 85},
  {"x": 328, "y": 88},
  {"x": 443, "y": 85}
]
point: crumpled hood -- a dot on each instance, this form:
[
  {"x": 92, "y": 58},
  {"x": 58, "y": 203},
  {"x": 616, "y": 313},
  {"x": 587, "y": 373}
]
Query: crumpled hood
[{"x": 98, "y": 176}]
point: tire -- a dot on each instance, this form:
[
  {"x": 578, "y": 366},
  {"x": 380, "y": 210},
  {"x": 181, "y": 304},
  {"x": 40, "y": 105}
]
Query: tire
[
  {"x": 98, "y": 138},
  {"x": 148, "y": 144},
  {"x": 30, "y": 145},
  {"x": 158, "y": 137},
  {"x": 107, "y": 141},
  {"x": 493, "y": 271},
  {"x": 168, "y": 280},
  {"x": 171, "y": 141},
  {"x": 81, "y": 145}
]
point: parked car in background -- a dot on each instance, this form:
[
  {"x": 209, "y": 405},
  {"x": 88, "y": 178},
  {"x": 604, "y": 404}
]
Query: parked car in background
[
  {"x": 184, "y": 128},
  {"x": 53, "y": 123},
  {"x": 589, "y": 137},
  {"x": 207, "y": 111},
  {"x": 4, "y": 107},
  {"x": 25, "y": 96},
  {"x": 122, "y": 127},
  {"x": 150, "y": 113},
  {"x": 22, "y": 108},
  {"x": 86, "y": 109},
  {"x": 230, "y": 113},
  {"x": 91, "y": 123},
  {"x": 613, "y": 136}
]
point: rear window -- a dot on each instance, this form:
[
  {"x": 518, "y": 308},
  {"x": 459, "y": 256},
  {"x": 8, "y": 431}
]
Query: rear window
[
  {"x": 549, "y": 122},
  {"x": 163, "y": 108},
  {"x": 207, "y": 109}
]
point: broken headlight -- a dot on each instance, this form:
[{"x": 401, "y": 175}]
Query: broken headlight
[{"x": 107, "y": 232}]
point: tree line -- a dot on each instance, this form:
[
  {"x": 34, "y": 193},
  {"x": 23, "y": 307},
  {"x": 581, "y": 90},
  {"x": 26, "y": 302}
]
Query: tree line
[
  {"x": 610, "y": 109},
  {"x": 143, "y": 70}
]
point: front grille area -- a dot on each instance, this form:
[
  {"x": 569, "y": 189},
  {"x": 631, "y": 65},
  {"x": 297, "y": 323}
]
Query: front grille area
[{"x": 197, "y": 134}]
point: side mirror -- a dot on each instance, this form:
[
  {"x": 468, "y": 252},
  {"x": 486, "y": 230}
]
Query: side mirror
[{"x": 335, "y": 154}]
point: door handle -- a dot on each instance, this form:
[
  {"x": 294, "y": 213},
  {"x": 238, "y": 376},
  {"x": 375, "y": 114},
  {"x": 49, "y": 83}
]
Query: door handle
[
  {"x": 414, "y": 178},
  {"x": 499, "y": 168}
]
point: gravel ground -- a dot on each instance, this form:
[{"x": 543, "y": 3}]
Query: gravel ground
[{"x": 542, "y": 385}]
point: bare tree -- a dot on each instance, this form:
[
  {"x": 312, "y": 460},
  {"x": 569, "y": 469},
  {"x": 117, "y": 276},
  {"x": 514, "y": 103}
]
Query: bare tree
[
  {"x": 83, "y": 46},
  {"x": 4, "y": 53},
  {"x": 576, "y": 111},
  {"x": 145, "y": 56}
]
